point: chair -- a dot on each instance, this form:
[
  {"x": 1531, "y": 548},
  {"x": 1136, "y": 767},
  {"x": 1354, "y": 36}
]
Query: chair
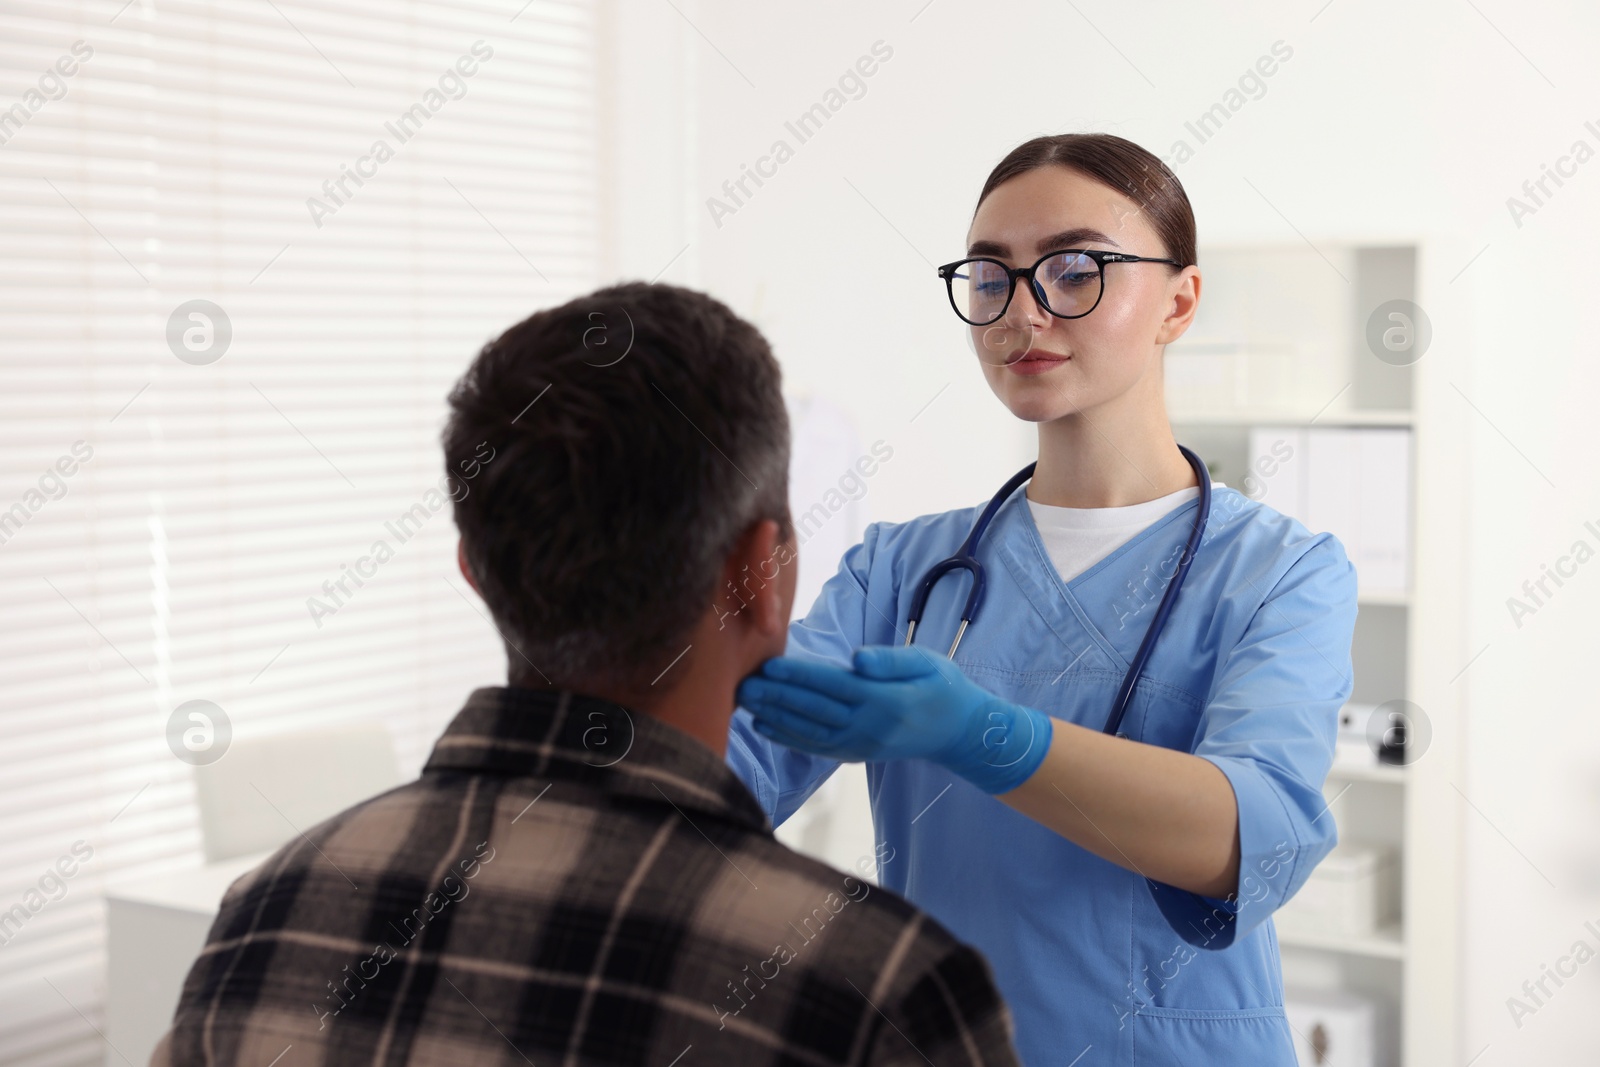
[{"x": 268, "y": 789}]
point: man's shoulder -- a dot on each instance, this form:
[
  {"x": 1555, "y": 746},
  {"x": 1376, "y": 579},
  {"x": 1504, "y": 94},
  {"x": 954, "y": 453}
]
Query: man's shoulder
[
  {"x": 828, "y": 944},
  {"x": 936, "y": 994},
  {"x": 379, "y": 821},
  {"x": 899, "y": 942}
]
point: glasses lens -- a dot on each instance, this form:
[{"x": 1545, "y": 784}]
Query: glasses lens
[
  {"x": 1069, "y": 283},
  {"x": 979, "y": 290}
]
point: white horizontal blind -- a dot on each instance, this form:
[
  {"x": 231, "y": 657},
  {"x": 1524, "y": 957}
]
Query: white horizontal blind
[{"x": 209, "y": 500}]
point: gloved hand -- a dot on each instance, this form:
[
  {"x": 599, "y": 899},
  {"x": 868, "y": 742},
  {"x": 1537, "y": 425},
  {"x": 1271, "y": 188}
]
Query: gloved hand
[{"x": 898, "y": 703}]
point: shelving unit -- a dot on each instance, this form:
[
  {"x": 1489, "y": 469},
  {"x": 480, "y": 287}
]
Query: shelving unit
[
  {"x": 1388, "y": 943},
  {"x": 1281, "y": 340}
]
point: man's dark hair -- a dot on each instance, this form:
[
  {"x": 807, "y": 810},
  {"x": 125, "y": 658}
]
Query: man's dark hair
[{"x": 631, "y": 435}]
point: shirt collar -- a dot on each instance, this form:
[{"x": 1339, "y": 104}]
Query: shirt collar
[{"x": 568, "y": 736}]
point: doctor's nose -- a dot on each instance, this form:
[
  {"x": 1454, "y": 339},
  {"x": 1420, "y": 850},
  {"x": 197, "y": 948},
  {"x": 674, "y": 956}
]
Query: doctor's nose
[{"x": 1024, "y": 311}]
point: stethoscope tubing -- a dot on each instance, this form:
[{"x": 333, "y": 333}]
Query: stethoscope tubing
[{"x": 966, "y": 559}]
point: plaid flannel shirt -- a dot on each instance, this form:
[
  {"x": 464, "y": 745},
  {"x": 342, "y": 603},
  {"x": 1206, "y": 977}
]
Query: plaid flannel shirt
[{"x": 571, "y": 883}]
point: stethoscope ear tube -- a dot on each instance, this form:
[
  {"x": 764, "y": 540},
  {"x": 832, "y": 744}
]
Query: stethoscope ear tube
[
  {"x": 967, "y": 559},
  {"x": 1129, "y": 680}
]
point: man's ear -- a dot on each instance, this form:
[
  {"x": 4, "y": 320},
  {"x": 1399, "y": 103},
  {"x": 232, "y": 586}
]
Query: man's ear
[
  {"x": 466, "y": 571},
  {"x": 761, "y": 570}
]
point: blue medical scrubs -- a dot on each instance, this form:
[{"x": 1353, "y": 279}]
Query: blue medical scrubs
[{"x": 1254, "y": 663}]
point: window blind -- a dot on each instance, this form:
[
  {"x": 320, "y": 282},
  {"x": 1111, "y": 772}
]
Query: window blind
[{"x": 247, "y": 248}]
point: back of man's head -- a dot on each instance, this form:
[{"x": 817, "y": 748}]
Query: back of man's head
[{"x": 633, "y": 435}]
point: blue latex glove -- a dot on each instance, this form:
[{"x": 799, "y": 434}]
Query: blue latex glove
[{"x": 898, "y": 703}]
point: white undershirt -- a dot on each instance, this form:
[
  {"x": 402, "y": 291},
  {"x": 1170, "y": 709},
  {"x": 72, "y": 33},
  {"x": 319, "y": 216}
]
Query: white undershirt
[{"x": 1078, "y": 538}]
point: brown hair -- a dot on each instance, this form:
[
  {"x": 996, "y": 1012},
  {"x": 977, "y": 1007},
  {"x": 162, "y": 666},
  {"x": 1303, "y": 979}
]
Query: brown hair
[{"x": 1118, "y": 164}]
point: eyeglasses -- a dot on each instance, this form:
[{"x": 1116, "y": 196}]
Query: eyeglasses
[{"x": 1068, "y": 284}]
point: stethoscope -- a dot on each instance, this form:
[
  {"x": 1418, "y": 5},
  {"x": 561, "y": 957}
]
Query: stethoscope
[{"x": 966, "y": 559}]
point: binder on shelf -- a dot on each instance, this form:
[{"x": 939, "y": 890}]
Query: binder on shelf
[
  {"x": 1277, "y": 468},
  {"x": 1383, "y": 510},
  {"x": 1352, "y": 482}
]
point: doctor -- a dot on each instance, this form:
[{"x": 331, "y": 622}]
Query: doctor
[{"x": 1119, "y": 883}]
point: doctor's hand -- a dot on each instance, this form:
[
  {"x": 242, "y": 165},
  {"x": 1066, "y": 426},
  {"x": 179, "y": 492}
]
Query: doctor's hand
[{"x": 898, "y": 703}]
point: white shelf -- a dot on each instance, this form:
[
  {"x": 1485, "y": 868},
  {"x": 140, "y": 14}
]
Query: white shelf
[
  {"x": 1388, "y": 943},
  {"x": 1387, "y": 773},
  {"x": 1280, "y": 417},
  {"x": 1399, "y": 600}
]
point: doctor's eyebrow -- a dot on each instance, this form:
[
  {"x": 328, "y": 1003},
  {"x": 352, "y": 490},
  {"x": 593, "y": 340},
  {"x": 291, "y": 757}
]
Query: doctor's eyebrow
[{"x": 1078, "y": 235}]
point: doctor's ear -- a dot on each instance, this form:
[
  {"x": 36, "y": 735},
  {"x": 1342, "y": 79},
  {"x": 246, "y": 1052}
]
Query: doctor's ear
[
  {"x": 1181, "y": 305},
  {"x": 759, "y": 579}
]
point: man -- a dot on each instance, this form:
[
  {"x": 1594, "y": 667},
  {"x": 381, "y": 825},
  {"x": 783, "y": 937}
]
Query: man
[{"x": 578, "y": 877}]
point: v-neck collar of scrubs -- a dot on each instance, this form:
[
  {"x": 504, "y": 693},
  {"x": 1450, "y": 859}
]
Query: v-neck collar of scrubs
[{"x": 1016, "y": 538}]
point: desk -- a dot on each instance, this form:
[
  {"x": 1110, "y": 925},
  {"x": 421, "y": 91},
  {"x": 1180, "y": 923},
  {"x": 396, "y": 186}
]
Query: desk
[{"x": 155, "y": 927}]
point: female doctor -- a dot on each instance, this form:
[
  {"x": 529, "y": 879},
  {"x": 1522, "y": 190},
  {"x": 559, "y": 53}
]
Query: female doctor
[{"x": 1119, "y": 882}]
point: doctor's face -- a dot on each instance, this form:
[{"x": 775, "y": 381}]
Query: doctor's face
[{"x": 1043, "y": 367}]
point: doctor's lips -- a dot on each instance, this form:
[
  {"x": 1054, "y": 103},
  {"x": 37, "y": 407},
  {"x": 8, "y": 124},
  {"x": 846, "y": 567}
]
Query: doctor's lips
[{"x": 1035, "y": 361}]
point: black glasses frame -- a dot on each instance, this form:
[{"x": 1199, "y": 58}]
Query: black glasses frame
[{"x": 1100, "y": 257}]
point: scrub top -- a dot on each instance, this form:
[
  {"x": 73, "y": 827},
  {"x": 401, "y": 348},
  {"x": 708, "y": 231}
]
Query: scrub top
[{"x": 1250, "y": 671}]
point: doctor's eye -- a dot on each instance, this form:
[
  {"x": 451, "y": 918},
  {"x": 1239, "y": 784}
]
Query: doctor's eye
[
  {"x": 979, "y": 290},
  {"x": 1069, "y": 271}
]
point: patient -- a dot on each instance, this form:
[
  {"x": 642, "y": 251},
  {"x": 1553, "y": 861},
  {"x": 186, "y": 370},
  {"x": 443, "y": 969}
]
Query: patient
[{"x": 577, "y": 877}]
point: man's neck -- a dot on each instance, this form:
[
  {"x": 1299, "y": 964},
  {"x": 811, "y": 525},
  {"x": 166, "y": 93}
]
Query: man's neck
[
  {"x": 701, "y": 708},
  {"x": 700, "y": 704}
]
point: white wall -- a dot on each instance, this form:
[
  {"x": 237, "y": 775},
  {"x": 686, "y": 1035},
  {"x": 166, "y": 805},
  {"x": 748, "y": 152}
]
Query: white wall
[{"x": 1388, "y": 122}]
